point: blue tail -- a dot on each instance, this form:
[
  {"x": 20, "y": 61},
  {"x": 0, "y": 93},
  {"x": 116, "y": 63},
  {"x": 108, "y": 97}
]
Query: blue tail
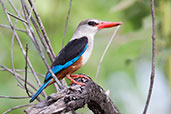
[{"x": 39, "y": 91}]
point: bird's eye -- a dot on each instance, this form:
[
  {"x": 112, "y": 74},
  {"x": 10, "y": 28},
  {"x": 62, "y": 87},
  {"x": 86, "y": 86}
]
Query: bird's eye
[{"x": 92, "y": 23}]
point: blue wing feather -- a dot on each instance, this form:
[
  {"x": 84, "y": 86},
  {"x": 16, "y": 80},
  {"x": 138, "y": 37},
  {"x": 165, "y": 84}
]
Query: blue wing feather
[
  {"x": 58, "y": 68},
  {"x": 39, "y": 91}
]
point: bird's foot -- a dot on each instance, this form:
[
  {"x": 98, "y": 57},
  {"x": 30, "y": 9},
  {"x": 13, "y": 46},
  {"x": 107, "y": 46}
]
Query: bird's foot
[{"x": 74, "y": 76}]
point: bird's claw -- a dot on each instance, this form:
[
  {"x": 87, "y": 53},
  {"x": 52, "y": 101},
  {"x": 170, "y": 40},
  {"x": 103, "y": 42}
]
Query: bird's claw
[{"x": 74, "y": 76}]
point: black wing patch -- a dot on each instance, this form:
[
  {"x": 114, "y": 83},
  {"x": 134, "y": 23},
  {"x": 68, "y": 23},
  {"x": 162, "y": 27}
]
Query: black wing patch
[{"x": 70, "y": 51}]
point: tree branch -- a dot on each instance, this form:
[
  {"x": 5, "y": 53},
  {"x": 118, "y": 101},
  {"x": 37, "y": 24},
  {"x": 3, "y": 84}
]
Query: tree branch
[
  {"x": 19, "y": 77},
  {"x": 35, "y": 42},
  {"x": 9, "y": 97},
  {"x": 17, "y": 17},
  {"x": 8, "y": 27},
  {"x": 76, "y": 97},
  {"x": 43, "y": 31},
  {"x": 39, "y": 33},
  {"x": 12, "y": 45},
  {"x": 153, "y": 58},
  {"x": 18, "y": 39},
  {"x": 23, "y": 70},
  {"x": 17, "y": 107},
  {"x": 25, "y": 84},
  {"x": 66, "y": 23}
]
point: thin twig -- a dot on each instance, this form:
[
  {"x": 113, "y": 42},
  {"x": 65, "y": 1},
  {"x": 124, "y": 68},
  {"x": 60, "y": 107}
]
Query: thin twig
[
  {"x": 39, "y": 47},
  {"x": 23, "y": 70},
  {"x": 101, "y": 59},
  {"x": 20, "y": 44},
  {"x": 8, "y": 27},
  {"x": 18, "y": 75},
  {"x": 15, "y": 9},
  {"x": 30, "y": 13},
  {"x": 153, "y": 58},
  {"x": 8, "y": 97},
  {"x": 25, "y": 84},
  {"x": 37, "y": 79},
  {"x": 45, "y": 41},
  {"x": 21, "y": 47},
  {"x": 12, "y": 5},
  {"x": 43, "y": 31},
  {"x": 12, "y": 45},
  {"x": 66, "y": 23},
  {"x": 17, "y": 107},
  {"x": 22, "y": 86},
  {"x": 40, "y": 36},
  {"x": 17, "y": 17},
  {"x": 35, "y": 42},
  {"x": 29, "y": 91}
]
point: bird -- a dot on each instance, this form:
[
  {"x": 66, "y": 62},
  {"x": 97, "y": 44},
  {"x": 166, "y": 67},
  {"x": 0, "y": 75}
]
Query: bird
[{"x": 76, "y": 53}]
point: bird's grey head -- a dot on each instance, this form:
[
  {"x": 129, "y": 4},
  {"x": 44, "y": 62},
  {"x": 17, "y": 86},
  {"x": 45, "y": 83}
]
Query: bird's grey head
[
  {"x": 90, "y": 27},
  {"x": 87, "y": 28}
]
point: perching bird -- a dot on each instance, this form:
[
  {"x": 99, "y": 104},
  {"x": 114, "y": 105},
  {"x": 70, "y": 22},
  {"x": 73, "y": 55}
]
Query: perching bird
[{"x": 76, "y": 53}]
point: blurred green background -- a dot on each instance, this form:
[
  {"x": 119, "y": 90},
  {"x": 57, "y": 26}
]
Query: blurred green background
[{"x": 126, "y": 67}]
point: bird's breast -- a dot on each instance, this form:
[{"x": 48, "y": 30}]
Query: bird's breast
[{"x": 86, "y": 55}]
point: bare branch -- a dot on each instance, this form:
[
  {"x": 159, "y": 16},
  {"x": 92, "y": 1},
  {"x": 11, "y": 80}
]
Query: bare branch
[
  {"x": 101, "y": 59},
  {"x": 12, "y": 6},
  {"x": 17, "y": 38},
  {"x": 19, "y": 70},
  {"x": 25, "y": 84},
  {"x": 19, "y": 77},
  {"x": 34, "y": 40},
  {"x": 43, "y": 31},
  {"x": 8, "y": 27},
  {"x": 19, "y": 42},
  {"x": 153, "y": 58},
  {"x": 8, "y": 97},
  {"x": 66, "y": 23},
  {"x": 17, "y": 17},
  {"x": 41, "y": 37},
  {"x": 15, "y": 9},
  {"x": 23, "y": 70},
  {"x": 12, "y": 61},
  {"x": 31, "y": 10},
  {"x": 17, "y": 107}
]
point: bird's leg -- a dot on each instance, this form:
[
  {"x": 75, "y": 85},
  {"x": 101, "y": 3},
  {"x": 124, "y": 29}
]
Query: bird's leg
[
  {"x": 74, "y": 76},
  {"x": 73, "y": 81}
]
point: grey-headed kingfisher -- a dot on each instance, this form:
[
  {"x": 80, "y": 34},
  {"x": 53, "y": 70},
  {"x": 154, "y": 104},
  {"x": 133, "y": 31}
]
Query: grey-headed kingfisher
[{"x": 76, "y": 53}]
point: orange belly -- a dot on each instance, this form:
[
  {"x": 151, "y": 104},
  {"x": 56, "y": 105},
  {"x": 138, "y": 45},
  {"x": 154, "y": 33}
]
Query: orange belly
[{"x": 74, "y": 67}]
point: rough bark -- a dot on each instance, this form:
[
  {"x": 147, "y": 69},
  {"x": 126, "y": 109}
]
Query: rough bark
[{"x": 75, "y": 97}]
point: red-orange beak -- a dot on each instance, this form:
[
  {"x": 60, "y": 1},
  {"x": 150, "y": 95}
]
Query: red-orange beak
[{"x": 108, "y": 24}]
